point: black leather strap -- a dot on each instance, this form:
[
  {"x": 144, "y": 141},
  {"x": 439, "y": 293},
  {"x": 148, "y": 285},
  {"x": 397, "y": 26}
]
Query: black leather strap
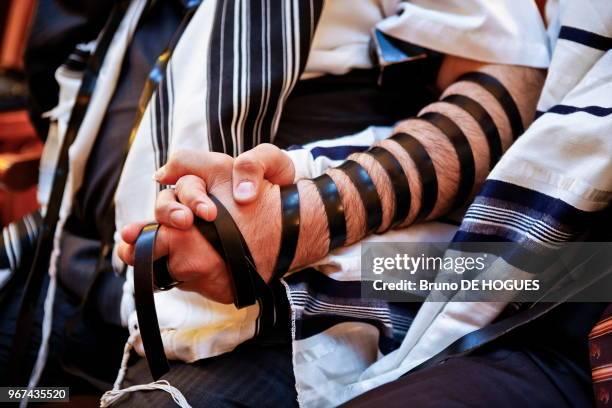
[
  {"x": 398, "y": 179},
  {"x": 497, "y": 89},
  {"x": 225, "y": 237},
  {"x": 334, "y": 210},
  {"x": 264, "y": 295},
  {"x": 145, "y": 303},
  {"x": 484, "y": 120},
  {"x": 426, "y": 169},
  {"x": 367, "y": 191},
  {"x": 467, "y": 168},
  {"x": 290, "y": 213},
  {"x": 238, "y": 257},
  {"x": 40, "y": 263},
  {"x": 248, "y": 286},
  {"x": 162, "y": 280}
]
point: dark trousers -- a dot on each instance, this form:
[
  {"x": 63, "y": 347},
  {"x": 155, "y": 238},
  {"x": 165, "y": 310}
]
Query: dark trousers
[
  {"x": 84, "y": 352},
  {"x": 252, "y": 375},
  {"x": 544, "y": 364},
  {"x": 499, "y": 376}
]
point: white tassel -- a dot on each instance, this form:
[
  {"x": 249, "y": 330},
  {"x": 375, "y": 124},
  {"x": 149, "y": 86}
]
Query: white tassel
[
  {"x": 129, "y": 344},
  {"x": 112, "y": 396}
]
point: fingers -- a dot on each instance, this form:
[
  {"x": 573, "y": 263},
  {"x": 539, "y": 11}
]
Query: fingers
[
  {"x": 191, "y": 191},
  {"x": 192, "y": 260},
  {"x": 130, "y": 232},
  {"x": 125, "y": 252},
  {"x": 170, "y": 212},
  {"x": 169, "y": 240},
  {"x": 209, "y": 166},
  {"x": 265, "y": 161},
  {"x": 248, "y": 170}
]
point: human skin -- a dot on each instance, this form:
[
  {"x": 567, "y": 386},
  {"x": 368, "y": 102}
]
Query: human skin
[{"x": 249, "y": 186}]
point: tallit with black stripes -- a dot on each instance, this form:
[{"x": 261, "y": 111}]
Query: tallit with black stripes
[{"x": 223, "y": 90}]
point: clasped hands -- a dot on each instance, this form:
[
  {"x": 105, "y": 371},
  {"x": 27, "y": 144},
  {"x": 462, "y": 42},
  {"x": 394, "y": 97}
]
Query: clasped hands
[{"x": 248, "y": 186}]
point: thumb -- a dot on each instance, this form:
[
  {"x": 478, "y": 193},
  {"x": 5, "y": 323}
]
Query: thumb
[{"x": 265, "y": 161}]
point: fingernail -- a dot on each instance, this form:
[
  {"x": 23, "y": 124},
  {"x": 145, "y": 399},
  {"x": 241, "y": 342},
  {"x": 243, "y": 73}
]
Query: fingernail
[
  {"x": 202, "y": 210},
  {"x": 178, "y": 217},
  {"x": 160, "y": 173},
  {"x": 245, "y": 189}
]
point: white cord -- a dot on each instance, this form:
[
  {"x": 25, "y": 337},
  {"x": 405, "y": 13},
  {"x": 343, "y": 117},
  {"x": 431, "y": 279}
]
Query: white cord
[
  {"x": 110, "y": 397},
  {"x": 129, "y": 344}
]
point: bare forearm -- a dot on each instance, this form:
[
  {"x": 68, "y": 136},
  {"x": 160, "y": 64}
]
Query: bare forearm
[{"x": 522, "y": 83}]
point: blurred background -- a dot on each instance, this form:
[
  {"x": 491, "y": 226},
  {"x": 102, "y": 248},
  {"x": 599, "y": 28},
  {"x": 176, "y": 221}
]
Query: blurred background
[{"x": 20, "y": 148}]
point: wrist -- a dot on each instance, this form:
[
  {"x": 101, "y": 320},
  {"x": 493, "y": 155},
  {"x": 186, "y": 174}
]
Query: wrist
[{"x": 265, "y": 249}]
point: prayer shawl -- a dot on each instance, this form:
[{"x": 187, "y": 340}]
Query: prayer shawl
[
  {"x": 223, "y": 90},
  {"x": 547, "y": 189}
]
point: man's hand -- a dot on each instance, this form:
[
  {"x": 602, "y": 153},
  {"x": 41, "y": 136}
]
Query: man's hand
[
  {"x": 258, "y": 214},
  {"x": 195, "y": 174},
  {"x": 251, "y": 168},
  {"x": 192, "y": 260},
  {"x": 247, "y": 173}
]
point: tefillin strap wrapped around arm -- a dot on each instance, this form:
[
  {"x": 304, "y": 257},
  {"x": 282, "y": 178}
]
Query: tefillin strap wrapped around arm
[
  {"x": 334, "y": 210},
  {"x": 426, "y": 170},
  {"x": 484, "y": 120},
  {"x": 367, "y": 192},
  {"x": 290, "y": 213},
  {"x": 399, "y": 181},
  {"x": 503, "y": 96},
  {"x": 461, "y": 145}
]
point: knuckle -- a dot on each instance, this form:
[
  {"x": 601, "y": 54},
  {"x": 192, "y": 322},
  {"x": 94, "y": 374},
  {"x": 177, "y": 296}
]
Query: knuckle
[
  {"x": 191, "y": 180},
  {"x": 180, "y": 183},
  {"x": 164, "y": 197},
  {"x": 160, "y": 214},
  {"x": 179, "y": 187},
  {"x": 246, "y": 163},
  {"x": 190, "y": 190},
  {"x": 186, "y": 197},
  {"x": 267, "y": 148},
  {"x": 224, "y": 161},
  {"x": 218, "y": 263},
  {"x": 221, "y": 166},
  {"x": 176, "y": 156}
]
